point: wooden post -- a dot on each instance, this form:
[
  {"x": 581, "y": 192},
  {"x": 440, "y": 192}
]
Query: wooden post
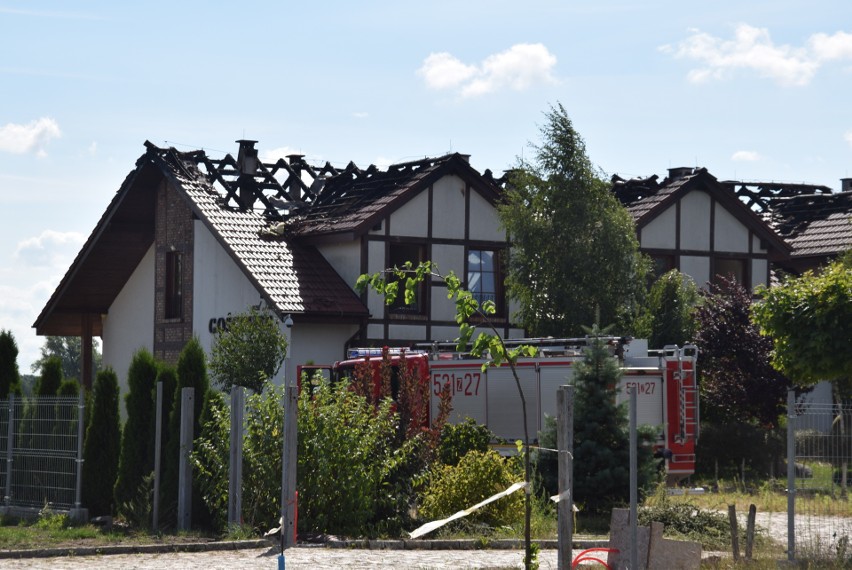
[
  {"x": 565, "y": 462},
  {"x": 86, "y": 349},
  {"x": 288, "y": 469},
  {"x": 735, "y": 541},
  {"x": 752, "y": 514}
]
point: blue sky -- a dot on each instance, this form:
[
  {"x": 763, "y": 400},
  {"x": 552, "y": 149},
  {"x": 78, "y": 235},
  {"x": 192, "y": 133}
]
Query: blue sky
[{"x": 756, "y": 90}]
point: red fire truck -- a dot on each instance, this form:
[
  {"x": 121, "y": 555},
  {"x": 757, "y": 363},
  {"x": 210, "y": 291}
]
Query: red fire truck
[{"x": 667, "y": 391}]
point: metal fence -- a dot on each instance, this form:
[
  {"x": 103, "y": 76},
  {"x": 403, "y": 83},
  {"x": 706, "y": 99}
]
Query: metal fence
[
  {"x": 821, "y": 436},
  {"x": 41, "y": 445}
]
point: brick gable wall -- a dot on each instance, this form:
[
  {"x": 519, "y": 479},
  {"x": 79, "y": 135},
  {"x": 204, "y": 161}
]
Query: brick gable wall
[{"x": 173, "y": 232}]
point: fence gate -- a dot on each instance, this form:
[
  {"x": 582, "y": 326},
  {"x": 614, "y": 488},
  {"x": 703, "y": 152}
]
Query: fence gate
[
  {"x": 821, "y": 437},
  {"x": 41, "y": 452}
]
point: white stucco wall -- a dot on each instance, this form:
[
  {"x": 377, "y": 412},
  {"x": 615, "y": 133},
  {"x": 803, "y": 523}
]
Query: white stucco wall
[
  {"x": 697, "y": 267},
  {"x": 695, "y": 221},
  {"x": 449, "y": 258},
  {"x": 317, "y": 344},
  {"x": 448, "y": 211},
  {"x": 660, "y": 232},
  {"x": 729, "y": 234},
  {"x": 484, "y": 222},
  {"x": 219, "y": 286},
  {"x": 129, "y": 324},
  {"x": 375, "y": 263},
  {"x": 345, "y": 258},
  {"x": 412, "y": 218}
]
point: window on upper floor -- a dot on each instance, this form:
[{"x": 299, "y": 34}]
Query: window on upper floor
[
  {"x": 398, "y": 255},
  {"x": 174, "y": 285},
  {"x": 728, "y": 267},
  {"x": 485, "y": 277}
]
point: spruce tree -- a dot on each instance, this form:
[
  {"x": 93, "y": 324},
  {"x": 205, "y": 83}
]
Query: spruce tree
[
  {"x": 101, "y": 449},
  {"x": 10, "y": 376},
  {"x": 137, "y": 439},
  {"x": 601, "y": 447}
]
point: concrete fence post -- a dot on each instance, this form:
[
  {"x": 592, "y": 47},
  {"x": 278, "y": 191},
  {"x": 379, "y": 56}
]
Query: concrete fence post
[
  {"x": 565, "y": 462},
  {"x": 288, "y": 469},
  {"x": 158, "y": 450},
  {"x": 187, "y": 418},
  {"x": 235, "y": 465}
]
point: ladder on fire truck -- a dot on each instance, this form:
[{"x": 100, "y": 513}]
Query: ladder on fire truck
[
  {"x": 689, "y": 416},
  {"x": 545, "y": 346}
]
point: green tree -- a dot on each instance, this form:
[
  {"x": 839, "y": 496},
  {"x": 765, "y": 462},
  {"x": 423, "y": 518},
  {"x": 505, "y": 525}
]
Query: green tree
[
  {"x": 574, "y": 246},
  {"x": 69, "y": 349},
  {"x": 51, "y": 377},
  {"x": 668, "y": 315},
  {"x": 137, "y": 437},
  {"x": 601, "y": 444},
  {"x": 810, "y": 320},
  {"x": 10, "y": 377},
  {"x": 101, "y": 448},
  {"x": 249, "y": 351},
  {"x": 737, "y": 382}
]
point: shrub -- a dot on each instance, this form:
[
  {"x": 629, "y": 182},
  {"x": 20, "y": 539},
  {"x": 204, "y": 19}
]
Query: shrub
[
  {"x": 137, "y": 438},
  {"x": 349, "y": 466},
  {"x": 101, "y": 449},
  {"x": 712, "y": 529},
  {"x": 477, "y": 476},
  {"x": 210, "y": 457},
  {"x": 459, "y": 439}
]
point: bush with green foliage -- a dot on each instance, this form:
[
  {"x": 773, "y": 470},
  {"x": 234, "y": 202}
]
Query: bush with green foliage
[
  {"x": 668, "y": 316},
  {"x": 688, "y": 522},
  {"x": 137, "y": 438},
  {"x": 733, "y": 450},
  {"x": 459, "y": 439},
  {"x": 262, "y": 447},
  {"x": 350, "y": 464},
  {"x": 10, "y": 377},
  {"x": 101, "y": 449},
  {"x": 210, "y": 458},
  {"x": 477, "y": 476}
]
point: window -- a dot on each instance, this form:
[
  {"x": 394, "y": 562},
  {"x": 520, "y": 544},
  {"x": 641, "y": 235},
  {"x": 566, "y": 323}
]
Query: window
[
  {"x": 484, "y": 279},
  {"x": 399, "y": 254},
  {"x": 174, "y": 285},
  {"x": 730, "y": 267}
]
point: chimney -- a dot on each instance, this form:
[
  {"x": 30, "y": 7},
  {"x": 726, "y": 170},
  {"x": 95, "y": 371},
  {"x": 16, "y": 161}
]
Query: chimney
[
  {"x": 679, "y": 172},
  {"x": 247, "y": 163},
  {"x": 846, "y": 184}
]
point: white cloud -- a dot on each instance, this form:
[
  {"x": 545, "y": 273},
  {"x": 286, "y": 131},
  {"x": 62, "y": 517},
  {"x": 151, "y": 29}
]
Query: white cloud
[
  {"x": 49, "y": 249},
  {"x": 33, "y": 137},
  {"x": 752, "y": 49},
  {"x": 848, "y": 136},
  {"x": 519, "y": 68},
  {"x": 745, "y": 156}
]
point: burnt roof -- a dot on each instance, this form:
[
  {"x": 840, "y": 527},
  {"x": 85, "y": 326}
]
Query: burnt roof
[
  {"x": 646, "y": 198},
  {"x": 352, "y": 200},
  {"x": 294, "y": 278}
]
